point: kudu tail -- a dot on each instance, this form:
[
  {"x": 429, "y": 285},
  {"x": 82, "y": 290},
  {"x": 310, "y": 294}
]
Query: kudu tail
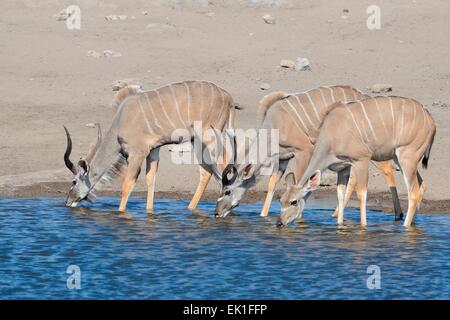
[
  {"x": 231, "y": 122},
  {"x": 124, "y": 93},
  {"x": 426, "y": 155}
]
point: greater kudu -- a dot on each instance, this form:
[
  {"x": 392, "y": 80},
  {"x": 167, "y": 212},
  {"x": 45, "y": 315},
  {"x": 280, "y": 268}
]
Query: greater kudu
[
  {"x": 352, "y": 134},
  {"x": 298, "y": 118},
  {"x": 144, "y": 122}
]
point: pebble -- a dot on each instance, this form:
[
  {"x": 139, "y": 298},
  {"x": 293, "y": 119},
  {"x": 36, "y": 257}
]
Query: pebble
[
  {"x": 119, "y": 84},
  {"x": 380, "y": 88},
  {"x": 265, "y": 86},
  {"x": 63, "y": 15},
  {"x": 345, "y": 14},
  {"x": 302, "y": 64},
  {"x": 93, "y": 54},
  {"x": 287, "y": 63},
  {"x": 439, "y": 104},
  {"x": 115, "y": 17},
  {"x": 111, "y": 54},
  {"x": 90, "y": 125},
  {"x": 269, "y": 19}
]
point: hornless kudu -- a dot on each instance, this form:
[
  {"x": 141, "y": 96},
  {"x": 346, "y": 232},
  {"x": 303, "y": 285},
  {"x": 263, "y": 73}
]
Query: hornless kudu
[
  {"x": 352, "y": 134},
  {"x": 298, "y": 118},
  {"x": 143, "y": 123}
]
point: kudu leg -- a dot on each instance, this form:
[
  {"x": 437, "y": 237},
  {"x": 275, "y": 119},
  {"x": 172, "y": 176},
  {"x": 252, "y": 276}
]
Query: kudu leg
[
  {"x": 361, "y": 169},
  {"x": 422, "y": 188},
  {"x": 386, "y": 168},
  {"x": 131, "y": 175},
  {"x": 205, "y": 177},
  {"x": 274, "y": 178},
  {"x": 348, "y": 193},
  {"x": 342, "y": 181},
  {"x": 152, "y": 164},
  {"x": 409, "y": 169}
]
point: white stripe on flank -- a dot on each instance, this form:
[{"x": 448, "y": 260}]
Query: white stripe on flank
[
  {"x": 295, "y": 122},
  {"x": 368, "y": 120},
  {"x": 145, "y": 117},
  {"x": 211, "y": 85},
  {"x": 332, "y": 95},
  {"x": 223, "y": 107},
  {"x": 343, "y": 93},
  {"x": 164, "y": 111},
  {"x": 304, "y": 111},
  {"x": 152, "y": 112},
  {"x": 379, "y": 113},
  {"x": 202, "y": 102},
  {"x": 298, "y": 116},
  {"x": 323, "y": 98},
  {"x": 176, "y": 105},
  {"x": 188, "y": 96},
  {"x": 403, "y": 118},
  {"x": 359, "y": 130},
  {"x": 314, "y": 106},
  {"x": 411, "y": 131},
  {"x": 393, "y": 118}
]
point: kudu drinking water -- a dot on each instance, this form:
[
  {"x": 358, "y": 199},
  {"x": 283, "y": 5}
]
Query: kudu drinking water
[
  {"x": 144, "y": 122},
  {"x": 298, "y": 118},
  {"x": 352, "y": 134}
]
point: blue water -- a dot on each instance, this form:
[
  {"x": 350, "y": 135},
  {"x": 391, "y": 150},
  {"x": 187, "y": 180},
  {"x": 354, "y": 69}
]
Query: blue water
[{"x": 177, "y": 254}]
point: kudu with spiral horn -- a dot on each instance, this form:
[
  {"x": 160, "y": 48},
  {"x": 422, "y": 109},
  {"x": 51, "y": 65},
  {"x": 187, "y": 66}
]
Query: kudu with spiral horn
[{"x": 144, "y": 122}]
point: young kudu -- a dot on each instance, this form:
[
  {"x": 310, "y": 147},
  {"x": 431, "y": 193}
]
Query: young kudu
[
  {"x": 298, "y": 118},
  {"x": 352, "y": 134},
  {"x": 143, "y": 122}
]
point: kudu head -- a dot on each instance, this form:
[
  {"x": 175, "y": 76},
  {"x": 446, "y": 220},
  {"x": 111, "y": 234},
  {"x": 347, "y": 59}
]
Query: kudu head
[
  {"x": 294, "y": 199},
  {"x": 81, "y": 183},
  {"x": 236, "y": 180},
  {"x": 233, "y": 176}
]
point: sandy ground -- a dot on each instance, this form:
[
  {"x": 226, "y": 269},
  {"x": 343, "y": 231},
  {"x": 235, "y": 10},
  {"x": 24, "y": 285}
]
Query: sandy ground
[{"x": 48, "y": 80}]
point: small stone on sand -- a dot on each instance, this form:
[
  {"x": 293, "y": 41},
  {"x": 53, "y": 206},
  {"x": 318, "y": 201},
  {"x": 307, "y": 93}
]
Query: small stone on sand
[
  {"x": 287, "y": 63},
  {"x": 265, "y": 86},
  {"x": 302, "y": 64},
  {"x": 269, "y": 19},
  {"x": 380, "y": 88}
]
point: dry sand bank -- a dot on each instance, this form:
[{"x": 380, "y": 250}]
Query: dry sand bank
[{"x": 48, "y": 81}]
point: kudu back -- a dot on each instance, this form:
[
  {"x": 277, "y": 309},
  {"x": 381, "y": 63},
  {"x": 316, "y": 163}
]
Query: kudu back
[{"x": 142, "y": 123}]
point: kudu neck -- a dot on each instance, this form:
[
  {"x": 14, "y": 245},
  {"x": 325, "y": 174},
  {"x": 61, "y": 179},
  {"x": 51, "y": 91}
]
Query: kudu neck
[{"x": 106, "y": 155}]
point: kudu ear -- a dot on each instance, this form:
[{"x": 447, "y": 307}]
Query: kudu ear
[
  {"x": 313, "y": 181},
  {"x": 249, "y": 170},
  {"x": 290, "y": 179},
  {"x": 229, "y": 175},
  {"x": 84, "y": 165}
]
